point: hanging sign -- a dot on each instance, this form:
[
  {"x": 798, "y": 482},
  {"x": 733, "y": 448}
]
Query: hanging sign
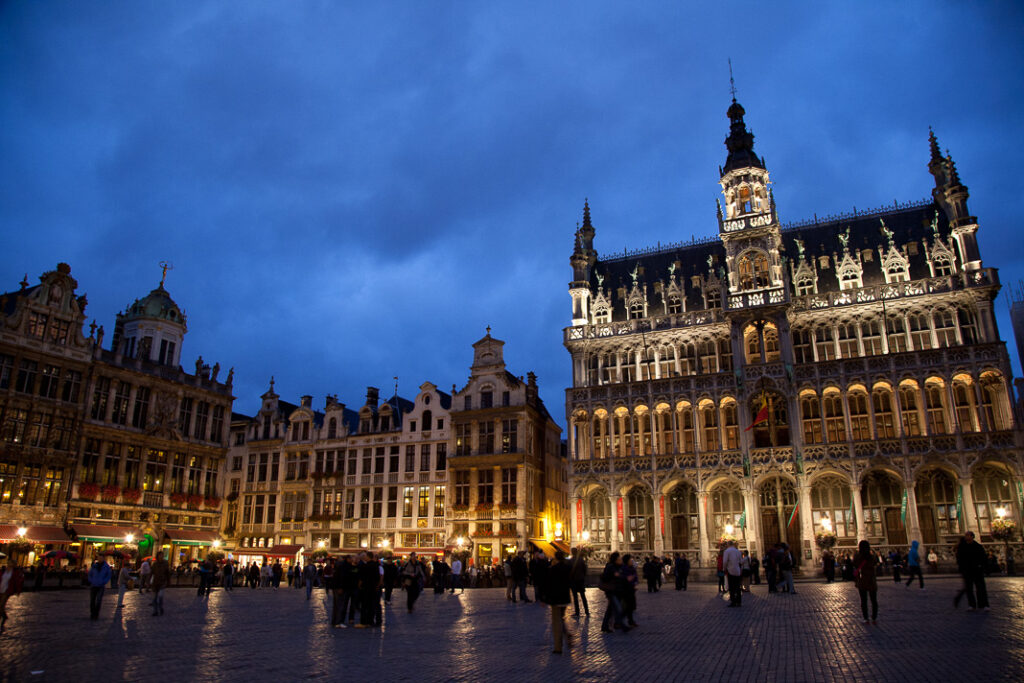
[{"x": 579, "y": 515}]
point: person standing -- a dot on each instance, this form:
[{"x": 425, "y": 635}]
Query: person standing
[
  {"x": 520, "y": 573},
  {"x": 413, "y": 579},
  {"x": 745, "y": 571},
  {"x": 144, "y": 572},
  {"x": 556, "y": 595},
  {"x": 651, "y": 571},
  {"x": 510, "y": 585},
  {"x": 933, "y": 562},
  {"x": 731, "y": 560},
  {"x": 770, "y": 574},
  {"x": 456, "y": 574},
  {"x": 828, "y": 565},
  {"x": 538, "y": 575},
  {"x": 308, "y": 577},
  {"x": 865, "y": 567},
  {"x": 12, "y": 580},
  {"x": 611, "y": 585},
  {"x": 253, "y": 575},
  {"x": 914, "y": 565},
  {"x": 123, "y": 577},
  {"x": 227, "y": 579},
  {"x": 390, "y": 578},
  {"x": 755, "y": 570},
  {"x": 578, "y": 582},
  {"x": 785, "y": 568},
  {"x": 275, "y": 574},
  {"x": 99, "y": 577},
  {"x": 369, "y": 590},
  {"x": 682, "y": 569},
  {"x": 971, "y": 559},
  {"x": 630, "y": 581},
  {"x": 720, "y": 572},
  {"x": 159, "y": 580}
]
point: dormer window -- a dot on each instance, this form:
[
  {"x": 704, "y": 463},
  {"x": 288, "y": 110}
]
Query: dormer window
[
  {"x": 636, "y": 310},
  {"x": 942, "y": 266},
  {"x": 896, "y": 273},
  {"x": 804, "y": 287},
  {"x": 714, "y": 298},
  {"x": 675, "y": 305}
]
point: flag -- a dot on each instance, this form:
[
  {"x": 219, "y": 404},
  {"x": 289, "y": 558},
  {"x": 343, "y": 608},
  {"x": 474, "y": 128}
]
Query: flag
[
  {"x": 743, "y": 520},
  {"x": 960, "y": 506},
  {"x": 903, "y": 509},
  {"x": 762, "y": 414},
  {"x": 793, "y": 515}
]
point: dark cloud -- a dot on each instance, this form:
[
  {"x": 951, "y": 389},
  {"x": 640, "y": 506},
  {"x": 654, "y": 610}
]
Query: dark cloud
[{"x": 354, "y": 191}]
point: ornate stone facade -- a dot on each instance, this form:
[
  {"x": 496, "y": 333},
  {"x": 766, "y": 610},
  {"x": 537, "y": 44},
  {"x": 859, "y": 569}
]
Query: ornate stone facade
[{"x": 845, "y": 372}]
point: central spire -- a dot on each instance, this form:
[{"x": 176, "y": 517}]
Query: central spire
[{"x": 740, "y": 142}]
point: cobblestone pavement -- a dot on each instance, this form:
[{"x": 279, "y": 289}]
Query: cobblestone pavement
[{"x": 814, "y": 635}]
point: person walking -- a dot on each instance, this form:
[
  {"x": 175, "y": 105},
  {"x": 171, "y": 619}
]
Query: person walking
[
  {"x": 785, "y": 569},
  {"x": 254, "y": 576},
  {"x": 971, "y": 559},
  {"x": 308, "y": 577},
  {"x": 390, "y": 578},
  {"x": 227, "y": 579},
  {"x": 720, "y": 572},
  {"x": 556, "y": 595},
  {"x": 538, "y": 572},
  {"x": 99, "y": 577},
  {"x": 159, "y": 580},
  {"x": 828, "y": 565},
  {"x": 510, "y": 584},
  {"x": 413, "y": 580},
  {"x": 745, "y": 571},
  {"x": 12, "y": 580},
  {"x": 578, "y": 582},
  {"x": 865, "y": 566},
  {"x": 520, "y": 573},
  {"x": 914, "y": 565},
  {"x": 123, "y": 577},
  {"x": 731, "y": 563},
  {"x": 630, "y": 581},
  {"x": 682, "y": 570},
  {"x": 457, "y": 574},
  {"x": 276, "y": 572},
  {"x": 611, "y": 585}
]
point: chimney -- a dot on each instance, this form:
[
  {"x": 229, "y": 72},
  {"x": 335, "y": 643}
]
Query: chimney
[
  {"x": 307, "y": 401},
  {"x": 372, "y": 394}
]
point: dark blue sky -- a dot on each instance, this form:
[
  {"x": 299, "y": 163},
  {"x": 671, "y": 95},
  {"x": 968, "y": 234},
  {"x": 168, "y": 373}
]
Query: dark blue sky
[{"x": 353, "y": 191}]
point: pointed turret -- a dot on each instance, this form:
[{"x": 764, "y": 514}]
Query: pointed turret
[
  {"x": 587, "y": 230},
  {"x": 740, "y": 141}
]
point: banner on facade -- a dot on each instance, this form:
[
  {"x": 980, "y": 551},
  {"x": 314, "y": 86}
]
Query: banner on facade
[
  {"x": 1020, "y": 497},
  {"x": 960, "y": 506},
  {"x": 661, "y": 510},
  {"x": 793, "y": 515},
  {"x": 621, "y": 515},
  {"x": 579, "y": 516},
  {"x": 903, "y": 509},
  {"x": 743, "y": 520}
]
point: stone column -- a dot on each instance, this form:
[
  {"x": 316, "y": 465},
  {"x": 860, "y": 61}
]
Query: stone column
[
  {"x": 807, "y": 529},
  {"x": 702, "y": 520},
  {"x": 659, "y": 538},
  {"x": 613, "y": 537},
  {"x": 749, "y": 530},
  {"x": 858, "y": 511},
  {"x": 913, "y": 523},
  {"x": 970, "y": 522},
  {"x": 576, "y": 531}
]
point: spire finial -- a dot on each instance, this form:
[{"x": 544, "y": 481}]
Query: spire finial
[
  {"x": 488, "y": 330},
  {"x": 586, "y": 213},
  {"x": 165, "y": 266},
  {"x": 732, "y": 83},
  {"x": 271, "y": 382}
]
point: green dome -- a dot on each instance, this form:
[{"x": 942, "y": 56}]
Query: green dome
[{"x": 157, "y": 305}]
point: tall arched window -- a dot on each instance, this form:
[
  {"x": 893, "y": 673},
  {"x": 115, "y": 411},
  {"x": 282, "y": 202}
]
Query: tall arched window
[
  {"x": 835, "y": 425},
  {"x": 935, "y": 403},
  {"x": 830, "y": 497},
  {"x": 683, "y": 520},
  {"x": 909, "y": 414},
  {"x": 599, "y": 521},
  {"x": 332, "y": 428},
  {"x": 995, "y": 403},
  {"x": 810, "y": 418},
  {"x": 753, "y": 270},
  {"x": 860, "y": 424},
  {"x": 936, "y": 505},
  {"x": 639, "y": 519},
  {"x": 709, "y": 423},
  {"x": 963, "y": 404},
  {"x": 730, "y": 425},
  {"x": 882, "y": 496},
  {"x": 992, "y": 487},
  {"x": 885, "y": 424},
  {"x": 772, "y": 353},
  {"x": 726, "y": 508}
]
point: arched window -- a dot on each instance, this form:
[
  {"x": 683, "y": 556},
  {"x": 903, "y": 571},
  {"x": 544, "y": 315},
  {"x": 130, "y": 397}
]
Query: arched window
[
  {"x": 752, "y": 344},
  {"x": 994, "y": 402},
  {"x": 885, "y": 424},
  {"x": 675, "y": 305},
  {"x": 332, "y": 428},
  {"x": 709, "y": 423},
  {"x": 639, "y": 519},
  {"x": 936, "y": 505},
  {"x": 830, "y": 497},
  {"x": 730, "y": 425},
  {"x": 835, "y": 425},
  {"x": 945, "y": 328},
  {"x": 860, "y": 424},
  {"x": 683, "y": 520},
  {"x": 963, "y": 404},
  {"x": 600, "y": 432},
  {"x": 685, "y": 420},
  {"x": 993, "y": 492},
  {"x": 428, "y": 421},
  {"x": 882, "y": 496},
  {"x": 726, "y": 508},
  {"x": 636, "y": 310},
  {"x": 935, "y": 404},
  {"x": 753, "y": 270},
  {"x": 599, "y": 521},
  {"x": 810, "y": 418},
  {"x": 909, "y": 415},
  {"x": 920, "y": 331},
  {"x": 772, "y": 353}
]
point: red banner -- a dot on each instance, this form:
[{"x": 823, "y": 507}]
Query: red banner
[
  {"x": 661, "y": 510},
  {"x": 622, "y": 516},
  {"x": 579, "y": 516}
]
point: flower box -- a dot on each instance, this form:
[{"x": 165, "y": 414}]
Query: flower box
[
  {"x": 211, "y": 502},
  {"x": 459, "y": 508},
  {"x": 825, "y": 539},
  {"x": 178, "y": 498},
  {"x": 1003, "y": 529},
  {"x": 110, "y": 492},
  {"x": 195, "y": 500},
  {"x": 131, "y": 495},
  {"x": 484, "y": 507},
  {"x": 88, "y": 490}
]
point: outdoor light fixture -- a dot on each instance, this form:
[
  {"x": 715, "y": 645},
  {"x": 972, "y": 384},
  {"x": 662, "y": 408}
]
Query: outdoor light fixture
[
  {"x": 729, "y": 528},
  {"x": 826, "y": 524},
  {"x": 1000, "y": 513},
  {"x": 585, "y": 536},
  {"x": 459, "y": 541},
  {"x": 22, "y": 531},
  {"x": 385, "y": 542},
  {"x": 216, "y": 543},
  {"x": 320, "y": 543},
  {"x": 128, "y": 538},
  {"x": 558, "y": 530}
]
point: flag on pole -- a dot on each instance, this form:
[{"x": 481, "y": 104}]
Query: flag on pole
[
  {"x": 960, "y": 506},
  {"x": 903, "y": 509},
  {"x": 743, "y": 520},
  {"x": 792, "y": 516},
  {"x": 762, "y": 414}
]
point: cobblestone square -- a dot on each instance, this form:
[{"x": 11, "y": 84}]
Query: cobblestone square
[{"x": 256, "y": 635}]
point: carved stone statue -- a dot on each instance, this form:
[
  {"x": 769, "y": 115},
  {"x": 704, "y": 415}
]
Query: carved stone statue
[
  {"x": 600, "y": 280},
  {"x": 215, "y": 372},
  {"x": 935, "y": 225},
  {"x": 231, "y": 377},
  {"x": 800, "y": 249},
  {"x": 844, "y": 238},
  {"x": 636, "y": 272},
  {"x": 886, "y": 231},
  {"x": 199, "y": 365}
]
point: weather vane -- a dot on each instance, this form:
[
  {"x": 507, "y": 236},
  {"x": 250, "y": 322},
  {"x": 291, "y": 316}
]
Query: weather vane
[
  {"x": 732, "y": 83},
  {"x": 165, "y": 265}
]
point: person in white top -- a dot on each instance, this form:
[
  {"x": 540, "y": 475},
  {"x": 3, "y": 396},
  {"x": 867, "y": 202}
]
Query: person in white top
[
  {"x": 123, "y": 577},
  {"x": 144, "y": 572},
  {"x": 731, "y": 560},
  {"x": 457, "y": 575}
]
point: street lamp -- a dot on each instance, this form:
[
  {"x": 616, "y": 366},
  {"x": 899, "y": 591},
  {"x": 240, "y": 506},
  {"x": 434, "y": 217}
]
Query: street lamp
[
  {"x": 459, "y": 541},
  {"x": 320, "y": 544},
  {"x": 129, "y": 538},
  {"x": 22, "y": 531},
  {"x": 729, "y": 528},
  {"x": 585, "y": 536},
  {"x": 216, "y": 543}
]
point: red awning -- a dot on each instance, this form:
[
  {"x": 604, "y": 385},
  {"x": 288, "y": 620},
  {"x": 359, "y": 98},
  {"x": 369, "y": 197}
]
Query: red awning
[
  {"x": 38, "y": 534},
  {"x": 103, "y": 533},
  {"x": 191, "y": 535}
]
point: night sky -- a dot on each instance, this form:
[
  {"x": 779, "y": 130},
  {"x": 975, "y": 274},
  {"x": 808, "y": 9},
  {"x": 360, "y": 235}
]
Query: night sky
[{"x": 353, "y": 191}]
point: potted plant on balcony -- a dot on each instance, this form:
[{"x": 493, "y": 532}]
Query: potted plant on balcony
[
  {"x": 508, "y": 507},
  {"x": 211, "y": 502},
  {"x": 460, "y": 507},
  {"x": 131, "y": 495},
  {"x": 110, "y": 492},
  {"x": 194, "y": 500},
  {"x": 178, "y": 498},
  {"x": 484, "y": 507},
  {"x": 88, "y": 491}
]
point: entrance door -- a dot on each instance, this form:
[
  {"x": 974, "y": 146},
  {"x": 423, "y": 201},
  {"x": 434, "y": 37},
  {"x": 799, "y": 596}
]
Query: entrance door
[
  {"x": 895, "y": 531},
  {"x": 770, "y": 528},
  {"x": 927, "y": 521},
  {"x": 680, "y": 532}
]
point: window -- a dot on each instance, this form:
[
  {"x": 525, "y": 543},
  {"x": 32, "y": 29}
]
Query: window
[
  {"x": 859, "y": 422},
  {"x": 425, "y": 457},
  {"x": 27, "y": 376},
  {"x": 963, "y": 405},
  {"x": 810, "y": 418},
  {"x": 935, "y": 407},
  {"x": 509, "y": 480},
  {"x": 462, "y": 487},
  {"x": 486, "y": 430},
  {"x": 37, "y": 324},
  {"x": 885, "y": 427},
  {"x": 992, "y": 490},
  {"x": 968, "y": 326},
  {"x": 462, "y": 445},
  {"x": 920, "y": 332},
  {"x": 824, "y": 343},
  {"x": 727, "y": 506},
  {"x": 709, "y": 419},
  {"x": 879, "y": 491},
  {"x": 945, "y": 329},
  {"x": 7, "y": 369},
  {"x": 509, "y": 436},
  {"x": 393, "y": 460},
  {"x": 485, "y": 486},
  {"x": 364, "y": 503},
  {"x": 58, "y": 332},
  {"x": 802, "y": 351},
  {"x": 804, "y": 286},
  {"x": 848, "y": 347},
  {"x": 352, "y": 462},
  {"x": 378, "y": 502},
  {"x": 871, "y": 338},
  {"x": 504, "y": 401},
  {"x": 166, "y": 352},
  {"x": 730, "y": 425},
  {"x": 119, "y": 415},
  {"x": 486, "y": 399},
  {"x": 185, "y": 416},
  {"x": 423, "y": 509},
  {"x": 835, "y": 427},
  {"x": 378, "y": 460},
  {"x": 467, "y": 403},
  {"x": 367, "y": 461},
  {"x": 896, "y": 335},
  {"x": 439, "y": 502},
  {"x": 407, "y": 494},
  {"x": 830, "y": 498},
  {"x": 936, "y": 505},
  {"x": 392, "y": 501},
  {"x": 599, "y": 520},
  {"x": 140, "y": 412},
  {"x": 350, "y": 503},
  {"x": 217, "y": 425},
  {"x": 332, "y": 428},
  {"x": 48, "y": 381},
  {"x": 410, "y": 458},
  {"x": 908, "y": 411},
  {"x": 442, "y": 456}
]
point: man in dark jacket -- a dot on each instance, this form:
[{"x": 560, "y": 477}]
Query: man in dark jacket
[
  {"x": 520, "y": 573},
  {"x": 390, "y": 577},
  {"x": 369, "y": 590},
  {"x": 347, "y": 576},
  {"x": 555, "y": 592},
  {"x": 538, "y": 575},
  {"x": 970, "y": 558},
  {"x": 682, "y": 569}
]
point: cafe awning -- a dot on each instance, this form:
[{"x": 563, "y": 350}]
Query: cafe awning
[
  {"x": 275, "y": 551},
  {"x": 543, "y": 546},
  {"x": 101, "y": 533},
  {"x": 36, "y": 534},
  {"x": 191, "y": 536}
]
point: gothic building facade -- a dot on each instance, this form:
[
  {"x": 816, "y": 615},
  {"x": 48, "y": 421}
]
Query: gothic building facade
[
  {"x": 776, "y": 381},
  {"x": 103, "y": 443}
]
